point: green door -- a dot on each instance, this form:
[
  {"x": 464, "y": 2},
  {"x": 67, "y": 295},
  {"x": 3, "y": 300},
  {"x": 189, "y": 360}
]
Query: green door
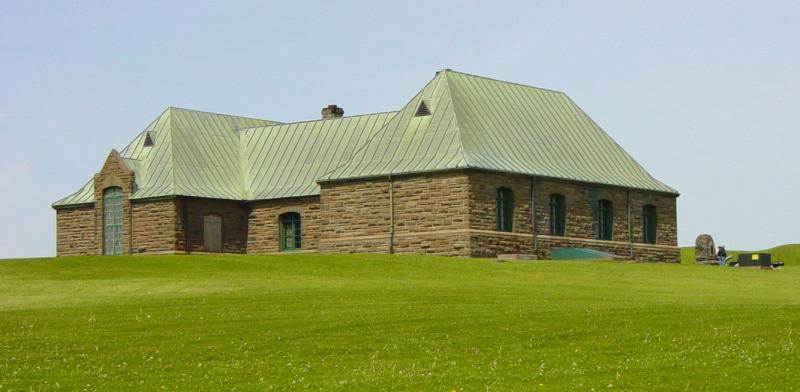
[
  {"x": 290, "y": 233},
  {"x": 112, "y": 221}
]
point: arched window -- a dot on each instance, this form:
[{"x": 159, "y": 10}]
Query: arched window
[
  {"x": 112, "y": 221},
  {"x": 212, "y": 233},
  {"x": 649, "y": 223},
  {"x": 558, "y": 216},
  {"x": 605, "y": 219},
  {"x": 290, "y": 232},
  {"x": 505, "y": 209}
]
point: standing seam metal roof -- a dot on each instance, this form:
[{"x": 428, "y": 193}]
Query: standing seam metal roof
[
  {"x": 498, "y": 126},
  {"x": 475, "y": 122},
  {"x": 286, "y": 160}
]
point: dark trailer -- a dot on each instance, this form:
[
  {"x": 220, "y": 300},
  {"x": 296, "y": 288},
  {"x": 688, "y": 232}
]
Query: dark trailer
[{"x": 763, "y": 260}]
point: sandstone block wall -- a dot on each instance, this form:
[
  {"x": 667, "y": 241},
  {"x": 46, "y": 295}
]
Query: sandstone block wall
[
  {"x": 455, "y": 214},
  {"x": 430, "y": 215},
  {"x": 354, "y": 216},
  {"x": 451, "y": 213},
  {"x": 155, "y": 226},
  {"x": 190, "y": 226},
  {"x": 263, "y": 223},
  {"x": 75, "y": 231},
  {"x": 581, "y": 228}
]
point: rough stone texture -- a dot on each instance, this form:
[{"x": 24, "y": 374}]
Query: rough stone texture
[
  {"x": 155, "y": 226},
  {"x": 190, "y": 214},
  {"x": 263, "y": 223},
  {"x": 581, "y": 229},
  {"x": 332, "y": 111},
  {"x": 75, "y": 231},
  {"x": 450, "y": 213},
  {"x": 355, "y": 216},
  {"x": 430, "y": 215},
  {"x": 113, "y": 174},
  {"x": 454, "y": 214},
  {"x": 704, "y": 250}
]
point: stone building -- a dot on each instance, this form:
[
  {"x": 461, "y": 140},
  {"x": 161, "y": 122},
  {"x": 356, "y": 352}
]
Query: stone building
[{"x": 470, "y": 166}]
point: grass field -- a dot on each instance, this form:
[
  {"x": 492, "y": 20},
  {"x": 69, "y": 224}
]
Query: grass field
[
  {"x": 789, "y": 254},
  {"x": 345, "y": 322}
]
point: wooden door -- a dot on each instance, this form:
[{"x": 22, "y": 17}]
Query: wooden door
[{"x": 212, "y": 233}]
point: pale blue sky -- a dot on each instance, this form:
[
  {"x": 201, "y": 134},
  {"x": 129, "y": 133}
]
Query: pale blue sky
[{"x": 705, "y": 95}]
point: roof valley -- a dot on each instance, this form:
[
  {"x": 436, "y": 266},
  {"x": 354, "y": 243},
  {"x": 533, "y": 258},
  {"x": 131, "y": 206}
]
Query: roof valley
[{"x": 471, "y": 122}]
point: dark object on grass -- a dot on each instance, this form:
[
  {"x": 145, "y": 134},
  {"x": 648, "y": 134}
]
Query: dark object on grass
[
  {"x": 704, "y": 250},
  {"x": 754, "y": 260},
  {"x": 763, "y": 260},
  {"x": 580, "y": 254}
]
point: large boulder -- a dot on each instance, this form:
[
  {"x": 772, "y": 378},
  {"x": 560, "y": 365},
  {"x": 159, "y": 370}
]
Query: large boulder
[{"x": 704, "y": 250}]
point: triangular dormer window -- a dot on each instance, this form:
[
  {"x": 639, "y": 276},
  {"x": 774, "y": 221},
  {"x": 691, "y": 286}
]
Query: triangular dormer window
[
  {"x": 148, "y": 141},
  {"x": 422, "y": 110}
]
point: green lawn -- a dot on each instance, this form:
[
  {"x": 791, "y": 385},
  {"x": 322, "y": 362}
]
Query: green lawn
[
  {"x": 789, "y": 254},
  {"x": 347, "y": 322}
]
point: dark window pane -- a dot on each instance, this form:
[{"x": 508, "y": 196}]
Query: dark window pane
[
  {"x": 605, "y": 219},
  {"x": 558, "y": 215},
  {"x": 650, "y": 224},
  {"x": 505, "y": 209}
]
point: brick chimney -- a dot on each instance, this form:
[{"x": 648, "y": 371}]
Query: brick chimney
[{"x": 332, "y": 111}]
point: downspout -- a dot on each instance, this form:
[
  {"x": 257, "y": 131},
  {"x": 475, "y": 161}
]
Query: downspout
[
  {"x": 391, "y": 215},
  {"x": 130, "y": 226},
  {"x": 533, "y": 217},
  {"x": 630, "y": 229},
  {"x": 187, "y": 248}
]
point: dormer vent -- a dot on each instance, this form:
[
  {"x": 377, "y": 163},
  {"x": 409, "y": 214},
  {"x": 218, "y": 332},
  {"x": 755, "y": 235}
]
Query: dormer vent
[
  {"x": 422, "y": 110},
  {"x": 148, "y": 141}
]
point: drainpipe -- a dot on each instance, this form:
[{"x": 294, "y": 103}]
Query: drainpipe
[
  {"x": 187, "y": 248},
  {"x": 533, "y": 217},
  {"x": 630, "y": 229},
  {"x": 391, "y": 215},
  {"x": 130, "y": 226}
]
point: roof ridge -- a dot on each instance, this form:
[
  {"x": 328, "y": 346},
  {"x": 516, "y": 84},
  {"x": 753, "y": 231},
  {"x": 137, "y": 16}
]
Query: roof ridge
[
  {"x": 316, "y": 120},
  {"x": 366, "y": 143},
  {"x": 455, "y": 120},
  {"x": 221, "y": 114},
  {"x": 171, "y": 129},
  {"x": 503, "y": 81},
  {"x": 245, "y": 174}
]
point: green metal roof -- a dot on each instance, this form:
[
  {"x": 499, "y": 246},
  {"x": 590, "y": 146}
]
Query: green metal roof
[
  {"x": 194, "y": 153},
  {"x": 286, "y": 160},
  {"x": 85, "y": 195},
  {"x": 475, "y": 122},
  {"x": 483, "y": 123}
]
